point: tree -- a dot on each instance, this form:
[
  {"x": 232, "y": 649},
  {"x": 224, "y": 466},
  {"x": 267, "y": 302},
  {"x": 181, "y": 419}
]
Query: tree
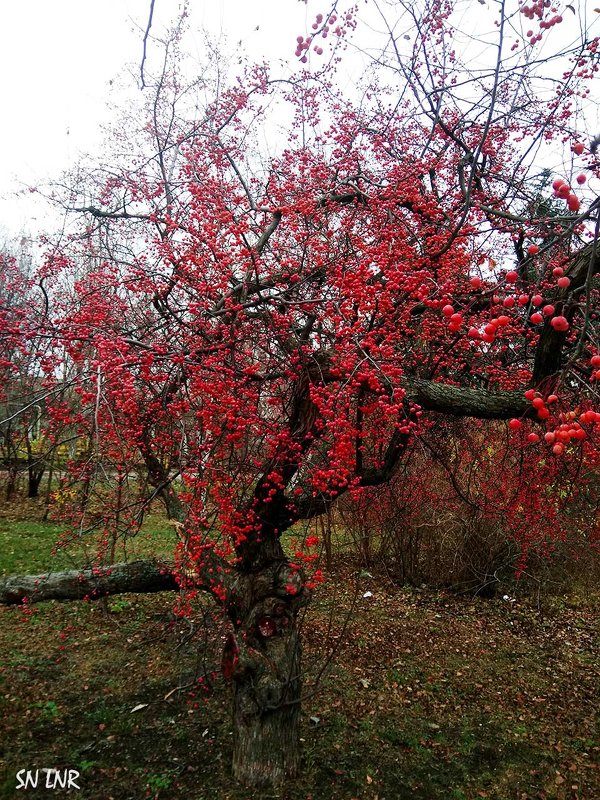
[
  {"x": 262, "y": 334},
  {"x": 22, "y": 442}
]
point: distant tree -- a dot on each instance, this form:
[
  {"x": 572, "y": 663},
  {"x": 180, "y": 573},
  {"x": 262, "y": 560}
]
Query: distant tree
[{"x": 265, "y": 333}]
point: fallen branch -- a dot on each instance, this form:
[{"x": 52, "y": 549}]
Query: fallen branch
[{"x": 134, "y": 577}]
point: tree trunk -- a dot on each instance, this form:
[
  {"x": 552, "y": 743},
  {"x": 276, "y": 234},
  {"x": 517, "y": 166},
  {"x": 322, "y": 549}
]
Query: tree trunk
[
  {"x": 11, "y": 481},
  {"x": 263, "y": 656},
  {"x": 136, "y": 576},
  {"x": 33, "y": 483},
  {"x": 266, "y": 745}
]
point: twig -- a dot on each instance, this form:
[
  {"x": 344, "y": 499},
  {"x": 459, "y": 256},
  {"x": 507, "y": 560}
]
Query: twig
[{"x": 146, "y": 43}]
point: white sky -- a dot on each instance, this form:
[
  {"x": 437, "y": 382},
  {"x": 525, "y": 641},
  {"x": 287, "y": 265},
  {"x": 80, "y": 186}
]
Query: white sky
[{"x": 57, "y": 58}]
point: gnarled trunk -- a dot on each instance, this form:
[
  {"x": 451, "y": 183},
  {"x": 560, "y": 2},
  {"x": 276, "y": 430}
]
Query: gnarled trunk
[
  {"x": 263, "y": 657},
  {"x": 266, "y": 745}
]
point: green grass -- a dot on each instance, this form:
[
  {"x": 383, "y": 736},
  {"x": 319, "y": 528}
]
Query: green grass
[
  {"x": 26, "y": 546},
  {"x": 29, "y": 546}
]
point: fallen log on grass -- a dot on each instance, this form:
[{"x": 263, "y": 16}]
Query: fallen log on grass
[{"x": 135, "y": 577}]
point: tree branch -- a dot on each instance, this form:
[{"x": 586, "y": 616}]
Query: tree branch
[{"x": 135, "y": 577}]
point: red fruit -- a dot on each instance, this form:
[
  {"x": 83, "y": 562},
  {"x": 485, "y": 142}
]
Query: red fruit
[
  {"x": 552, "y": 398},
  {"x": 595, "y": 361},
  {"x": 537, "y": 300},
  {"x": 448, "y": 310},
  {"x": 549, "y": 437},
  {"x": 558, "y": 449},
  {"x": 514, "y": 424},
  {"x": 490, "y": 329},
  {"x": 563, "y": 282},
  {"x": 538, "y": 402},
  {"x": 560, "y": 324},
  {"x": 548, "y": 310},
  {"x": 558, "y": 271},
  {"x": 508, "y": 302},
  {"x": 557, "y": 183},
  {"x": 511, "y": 276},
  {"x": 533, "y": 249},
  {"x": 529, "y": 394},
  {"x": 563, "y": 191},
  {"x": 473, "y": 333},
  {"x": 578, "y": 148},
  {"x": 533, "y": 438},
  {"x": 573, "y": 203},
  {"x": 581, "y": 179},
  {"x": 523, "y": 299},
  {"x": 543, "y": 413},
  {"x": 502, "y": 320},
  {"x": 475, "y": 282},
  {"x": 536, "y": 318}
]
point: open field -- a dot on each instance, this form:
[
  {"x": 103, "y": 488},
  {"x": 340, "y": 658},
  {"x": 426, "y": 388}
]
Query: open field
[{"x": 427, "y": 696}]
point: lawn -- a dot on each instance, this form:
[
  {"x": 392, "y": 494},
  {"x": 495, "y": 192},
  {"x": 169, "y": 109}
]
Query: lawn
[{"x": 426, "y": 696}]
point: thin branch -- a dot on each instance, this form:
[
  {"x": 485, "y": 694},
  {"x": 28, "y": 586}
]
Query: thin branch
[{"x": 143, "y": 81}]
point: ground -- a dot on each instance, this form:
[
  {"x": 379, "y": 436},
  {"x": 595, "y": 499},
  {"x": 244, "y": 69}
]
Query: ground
[{"x": 409, "y": 694}]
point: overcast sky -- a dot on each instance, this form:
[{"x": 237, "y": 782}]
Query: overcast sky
[
  {"x": 59, "y": 58},
  {"x": 57, "y": 61}
]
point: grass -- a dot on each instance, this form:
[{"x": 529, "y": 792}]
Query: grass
[
  {"x": 28, "y": 545},
  {"x": 429, "y": 696}
]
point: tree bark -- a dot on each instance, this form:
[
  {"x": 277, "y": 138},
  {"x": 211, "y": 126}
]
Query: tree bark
[
  {"x": 137, "y": 576},
  {"x": 263, "y": 657},
  {"x": 34, "y": 478}
]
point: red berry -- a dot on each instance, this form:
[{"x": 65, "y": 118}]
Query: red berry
[
  {"x": 529, "y": 394},
  {"x": 448, "y": 310},
  {"x": 475, "y": 282},
  {"x": 560, "y": 324},
  {"x": 548, "y": 310},
  {"x": 595, "y": 361},
  {"x": 538, "y": 402},
  {"x": 511, "y": 276},
  {"x": 514, "y": 424},
  {"x": 573, "y": 203},
  {"x": 537, "y": 300},
  {"x": 536, "y": 318},
  {"x": 578, "y": 148},
  {"x": 581, "y": 179},
  {"x": 563, "y": 282}
]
